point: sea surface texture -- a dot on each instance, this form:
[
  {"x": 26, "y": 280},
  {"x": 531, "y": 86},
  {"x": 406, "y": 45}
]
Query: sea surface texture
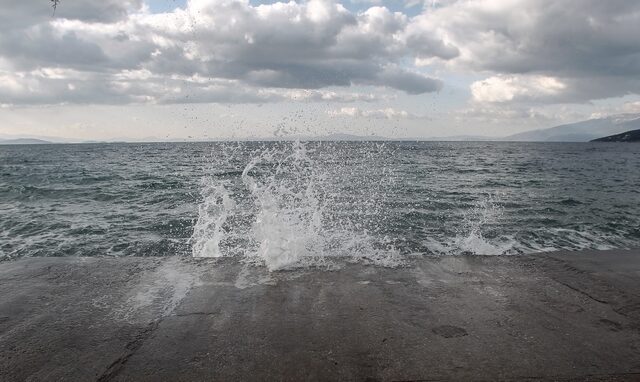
[{"x": 290, "y": 204}]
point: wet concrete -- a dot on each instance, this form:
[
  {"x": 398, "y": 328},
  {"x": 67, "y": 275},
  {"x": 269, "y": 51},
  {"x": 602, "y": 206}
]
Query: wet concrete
[{"x": 557, "y": 316}]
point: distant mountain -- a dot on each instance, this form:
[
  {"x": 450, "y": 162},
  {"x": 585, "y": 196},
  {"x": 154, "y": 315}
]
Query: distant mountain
[
  {"x": 627, "y": 136},
  {"x": 584, "y": 131},
  {"x": 24, "y": 141}
]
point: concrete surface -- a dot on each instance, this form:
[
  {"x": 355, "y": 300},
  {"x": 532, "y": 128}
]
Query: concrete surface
[{"x": 557, "y": 316}]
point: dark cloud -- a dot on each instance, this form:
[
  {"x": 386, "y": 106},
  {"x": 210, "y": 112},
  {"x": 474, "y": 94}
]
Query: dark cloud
[
  {"x": 311, "y": 45},
  {"x": 41, "y": 47},
  {"x": 410, "y": 82},
  {"x": 537, "y": 51},
  {"x": 590, "y": 46},
  {"x": 25, "y": 13}
]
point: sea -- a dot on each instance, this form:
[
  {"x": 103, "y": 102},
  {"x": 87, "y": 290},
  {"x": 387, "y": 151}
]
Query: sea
[{"x": 288, "y": 205}]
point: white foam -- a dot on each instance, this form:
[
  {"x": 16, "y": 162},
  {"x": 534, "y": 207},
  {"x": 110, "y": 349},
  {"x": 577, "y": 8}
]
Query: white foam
[
  {"x": 213, "y": 212},
  {"x": 285, "y": 192},
  {"x": 471, "y": 239},
  {"x": 288, "y": 225}
]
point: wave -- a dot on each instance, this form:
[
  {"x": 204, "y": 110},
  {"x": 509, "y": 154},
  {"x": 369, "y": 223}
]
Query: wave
[
  {"x": 293, "y": 205},
  {"x": 284, "y": 194},
  {"x": 472, "y": 236}
]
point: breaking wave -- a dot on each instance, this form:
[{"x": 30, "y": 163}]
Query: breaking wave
[
  {"x": 476, "y": 234},
  {"x": 318, "y": 204},
  {"x": 277, "y": 217},
  {"x": 292, "y": 205}
]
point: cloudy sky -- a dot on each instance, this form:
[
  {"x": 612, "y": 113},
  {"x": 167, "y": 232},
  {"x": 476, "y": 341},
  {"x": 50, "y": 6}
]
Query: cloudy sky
[{"x": 206, "y": 69}]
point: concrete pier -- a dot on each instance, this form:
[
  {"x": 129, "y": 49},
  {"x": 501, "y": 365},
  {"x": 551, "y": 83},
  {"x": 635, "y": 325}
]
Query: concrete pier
[{"x": 555, "y": 316}]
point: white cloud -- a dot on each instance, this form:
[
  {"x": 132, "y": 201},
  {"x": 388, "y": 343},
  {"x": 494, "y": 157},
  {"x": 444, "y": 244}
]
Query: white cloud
[
  {"x": 516, "y": 88},
  {"x": 388, "y": 113},
  {"x": 518, "y": 115},
  {"x": 332, "y": 96},
  {"x": 528, "y": 53},
  {"x": 307, "y": 45},
  {"x": 588, "y": 46},
  {"x": 631, "y": 107}
]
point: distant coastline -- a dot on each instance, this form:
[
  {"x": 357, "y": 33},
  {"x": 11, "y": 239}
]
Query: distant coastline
[
  {"x": 24, "y": 141},
  {"x": 627, "y": 136},
  {"x": 613, "y": 128}
]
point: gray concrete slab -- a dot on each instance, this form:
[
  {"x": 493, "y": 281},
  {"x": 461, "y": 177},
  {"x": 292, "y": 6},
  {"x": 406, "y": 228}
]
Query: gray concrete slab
[{"x": 556, "y": 316}]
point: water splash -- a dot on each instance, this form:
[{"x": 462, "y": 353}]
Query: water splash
[
  {"x": 213, "y": 212},
  {"x": 286, "y": 194},
  {"x": 374, "y": 199},
  {"x": 474, "y": 235},
  {"x": 288, "y": 227},
  {"x": 485, "y": 213}
]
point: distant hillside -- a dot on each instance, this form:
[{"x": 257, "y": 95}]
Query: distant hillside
[
  {"x": 23, "y": 141},
  {"x": 627, "y": 136},
  {"x": 584, "y": 131}
]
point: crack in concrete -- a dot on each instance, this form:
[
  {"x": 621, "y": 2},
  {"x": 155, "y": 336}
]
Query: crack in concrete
[
  {"x": 581, "y": 291},
  {"x": 116, "y": 366},
  {"x": 135, "y": 349},
  {"x": 573, "y": 269},
  {"x": 628, "y": 310},
  {"x": 627, "y": 305}
]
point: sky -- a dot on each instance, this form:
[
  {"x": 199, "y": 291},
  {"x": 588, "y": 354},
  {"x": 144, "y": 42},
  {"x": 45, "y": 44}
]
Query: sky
[{"x": 220, "y": 69}]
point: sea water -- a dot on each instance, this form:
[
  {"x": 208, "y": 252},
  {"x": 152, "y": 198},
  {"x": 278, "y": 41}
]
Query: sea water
[{"x": 287, "y": 205}]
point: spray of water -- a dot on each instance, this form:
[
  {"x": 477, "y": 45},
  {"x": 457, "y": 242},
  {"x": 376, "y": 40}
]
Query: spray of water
[
  {"x": 285, "y": 194},
  {"x": 472, "y": 239},
  {"x": 213, "y": 212},
  {"x": 288, "y": 227},
  {"x": 473, "y": 235}
]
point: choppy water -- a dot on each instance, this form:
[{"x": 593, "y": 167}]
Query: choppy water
[{"x": 286, "y": 205}]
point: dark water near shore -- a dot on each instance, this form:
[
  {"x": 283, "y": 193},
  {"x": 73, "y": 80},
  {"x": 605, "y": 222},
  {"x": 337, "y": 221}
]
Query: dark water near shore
[{"x": 289, "y": 204}]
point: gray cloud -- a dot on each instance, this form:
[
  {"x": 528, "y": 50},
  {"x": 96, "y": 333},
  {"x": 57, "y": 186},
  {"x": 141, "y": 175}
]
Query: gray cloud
[
  {"x": 410, "y": 82},
  {"x": 532, "y": 51},
  {"x": 25, "y": 13},
  {"x": 590, "y": 46},
  {"x": 41, "y": 47},
  {"x": 388, "y": 113},
  {"x": 310, "y": 45}
]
